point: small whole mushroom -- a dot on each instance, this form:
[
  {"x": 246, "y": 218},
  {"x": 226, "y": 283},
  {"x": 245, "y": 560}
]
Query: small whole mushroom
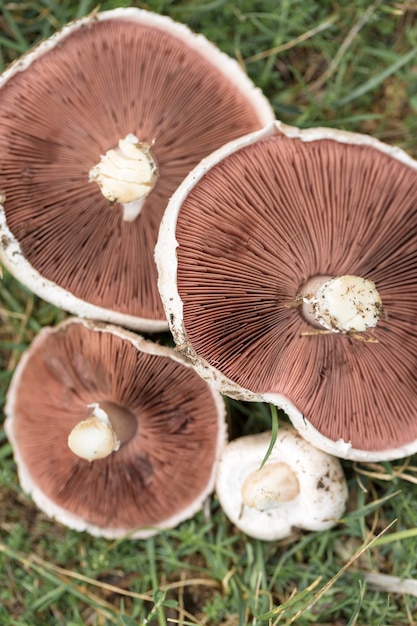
[{"x": 298, "y": 486}]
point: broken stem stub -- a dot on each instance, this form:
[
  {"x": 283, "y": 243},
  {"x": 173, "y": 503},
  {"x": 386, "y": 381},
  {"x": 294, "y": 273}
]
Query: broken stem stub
[
  {"x": 126, "y": 174},
  {"x": 345, "y": 304},
  {"x": 94, "y": 438}
]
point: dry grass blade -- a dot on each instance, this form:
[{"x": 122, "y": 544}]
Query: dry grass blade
[
  {"x": 377, "y": 471},
  {"x": 63, "y": 574},
  {"x": 29, "y": 561},
  {"x": 346, "y": 566},
  {"x": 294, "y": 42},
  {"x": 352, "y": 34}
]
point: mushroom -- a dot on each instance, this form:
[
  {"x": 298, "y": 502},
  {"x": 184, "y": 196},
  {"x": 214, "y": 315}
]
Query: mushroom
[
  {"x": 98, "y": 126},
  {"x": 112, "y": 433},
  {"x": 287, "y": 267},
  {"x": 298, "y": 486}
]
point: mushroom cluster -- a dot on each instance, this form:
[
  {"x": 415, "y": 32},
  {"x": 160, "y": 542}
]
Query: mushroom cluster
[
  {"x": 99, "y": 124},
  {"x": 288, "y": 270},
  {"x": 107, "y": 429},
  {"x": 285, "y": 270}
]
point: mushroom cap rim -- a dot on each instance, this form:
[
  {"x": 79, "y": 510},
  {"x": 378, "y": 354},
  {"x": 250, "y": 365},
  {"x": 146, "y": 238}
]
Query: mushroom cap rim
[
  {"x": 12, "y": 257},
  {"x": 227, "y": 65}
]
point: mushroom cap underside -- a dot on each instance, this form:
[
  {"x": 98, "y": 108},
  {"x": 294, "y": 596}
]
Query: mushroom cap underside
[
  {"x": 162, "y": 472},
  {"x": 269, "y": 212},
  {"x": 68, "y": 102}
]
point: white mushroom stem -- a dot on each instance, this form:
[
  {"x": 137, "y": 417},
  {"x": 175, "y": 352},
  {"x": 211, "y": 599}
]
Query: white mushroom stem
[
  {"x": 126, "y": 174},
  {"x": 344, "y": 304},
  {"x": 268, "y": 487},
  {"x": 94, "y": 438}
]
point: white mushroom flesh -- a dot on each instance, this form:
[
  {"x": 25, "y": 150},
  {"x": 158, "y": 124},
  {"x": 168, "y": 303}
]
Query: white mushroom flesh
[
  {"x": 126, "y": 174},
  {"x": 93, "y": 438},
  {"x": 346, "y": 304},
  {"x": 268, "y": 487}
]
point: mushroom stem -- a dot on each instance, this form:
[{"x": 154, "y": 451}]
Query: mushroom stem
[
  {"x": 345, "y": 304},
  {"x": 126, "y": 174},
  {"x": 270, "y": 486},
  {"x": 94, "y": 438}
]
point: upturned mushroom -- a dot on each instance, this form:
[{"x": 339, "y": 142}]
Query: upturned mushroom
[
  {"x": 98, "y": 126},
  {"x": 288, "y": 270},
  {"x": 112, "y": 433},
  {"x": 299, "y": 486}
]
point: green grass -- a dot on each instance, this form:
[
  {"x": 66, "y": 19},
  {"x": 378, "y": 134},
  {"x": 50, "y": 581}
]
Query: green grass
[{"x": 350, "y": 64}]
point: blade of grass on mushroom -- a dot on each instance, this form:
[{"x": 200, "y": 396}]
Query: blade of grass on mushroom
[{"x": 274, "y": 433}]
